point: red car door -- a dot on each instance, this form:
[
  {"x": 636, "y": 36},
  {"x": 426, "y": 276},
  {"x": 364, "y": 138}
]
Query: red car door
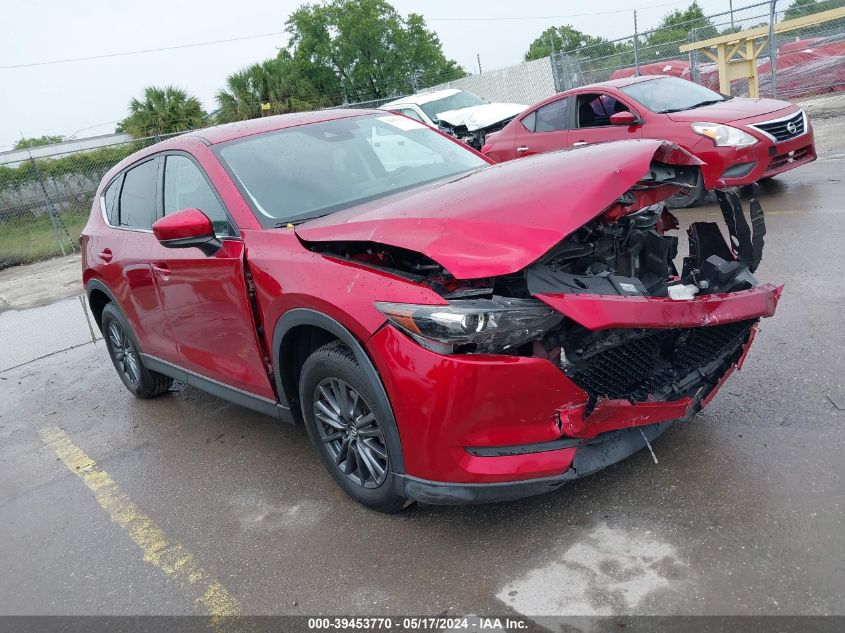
[
  {"x": 545, "y": 129},
  {"x": 206, "y": 298},
  {"x": 592, "y": 114}
]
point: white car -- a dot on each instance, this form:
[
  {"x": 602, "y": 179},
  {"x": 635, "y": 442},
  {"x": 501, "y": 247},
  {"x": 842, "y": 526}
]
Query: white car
[{"x": 457, "y": 112}]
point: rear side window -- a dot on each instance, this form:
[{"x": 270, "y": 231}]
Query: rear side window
[
  {"x": 110, "y": 200},
  {"x": 138, "y": 196},
  {"x": 553, "y": 116},
  {"x": 185, "y": 187}
]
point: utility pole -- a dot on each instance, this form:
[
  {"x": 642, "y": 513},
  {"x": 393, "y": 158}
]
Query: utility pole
[
  {"x": 731, "y": 5},
  {"x": 636, "y": 47},
  {"x": 478, "y": 58}
]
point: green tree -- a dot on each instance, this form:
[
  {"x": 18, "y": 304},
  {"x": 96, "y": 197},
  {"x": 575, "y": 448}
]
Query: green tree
[
  {"x": 37, "y": 141},
  {"x": 363, "y": 49},
  {"x": 162, "y": 111},
  {"x": 569, "y": 40},
  {"x": 674, "y": 29},
  {"x": 279, "y": 84}
]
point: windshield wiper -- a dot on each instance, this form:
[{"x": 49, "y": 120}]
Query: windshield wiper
[
  {"x": 294, "y": 222},
  {"x": 695, "y": 105}
]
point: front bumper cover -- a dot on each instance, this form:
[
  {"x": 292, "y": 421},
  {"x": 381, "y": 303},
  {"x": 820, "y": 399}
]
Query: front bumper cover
[{"x": 591, "y": 456}]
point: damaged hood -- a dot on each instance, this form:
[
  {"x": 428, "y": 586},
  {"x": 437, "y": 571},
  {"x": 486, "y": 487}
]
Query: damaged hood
[
  {"x": 499, "y": 219},
  {"x": 481, "y": 116}
]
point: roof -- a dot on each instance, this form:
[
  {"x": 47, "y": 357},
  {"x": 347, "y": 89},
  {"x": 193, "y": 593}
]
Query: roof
[
  {"x": 622, "y": 82},
  {"x": 422, "y": 97}
]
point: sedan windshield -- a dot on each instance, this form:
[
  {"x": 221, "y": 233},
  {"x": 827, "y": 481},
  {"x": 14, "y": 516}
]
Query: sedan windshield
[
  {"x": 452, "y": 102},
  {"x": 671, "y": 94},
  {"x": 312, "y": 170}
]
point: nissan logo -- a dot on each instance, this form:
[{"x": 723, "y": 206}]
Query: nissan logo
[{"x": 791, "y": 127}]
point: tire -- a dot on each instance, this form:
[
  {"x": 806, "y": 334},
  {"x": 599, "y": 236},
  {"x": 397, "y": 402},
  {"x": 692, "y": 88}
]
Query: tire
[
  {"x": 126, "y": 356},
  {"x": 687, "y": 198},
  {"x": 348, "y": 428}
]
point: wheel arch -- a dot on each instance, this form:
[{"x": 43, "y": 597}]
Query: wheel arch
[
  {"x": 301, "y": 331},
  {"x": 99, "y": 295}
]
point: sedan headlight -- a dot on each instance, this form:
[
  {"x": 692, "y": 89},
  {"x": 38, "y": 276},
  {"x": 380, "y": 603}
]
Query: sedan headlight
[
  {"x": 724, "y": 135},
  {"x": 483, "y": 326}
]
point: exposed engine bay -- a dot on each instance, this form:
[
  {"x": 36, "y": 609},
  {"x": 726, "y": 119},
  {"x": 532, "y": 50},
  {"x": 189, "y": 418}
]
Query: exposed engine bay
[
  {"x": 615, "y": 255},
  {"x": 475, "y": 138}
]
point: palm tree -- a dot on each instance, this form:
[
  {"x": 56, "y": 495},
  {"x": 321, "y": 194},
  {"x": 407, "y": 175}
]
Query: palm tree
[
  {"x": 277, "y": 82},
  {"x": 163, "y": 111}
]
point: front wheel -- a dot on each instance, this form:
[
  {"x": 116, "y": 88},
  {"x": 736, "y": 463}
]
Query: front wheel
[
  {"x": 345, "y": 423},
  {"x": 688, "y": 197}
]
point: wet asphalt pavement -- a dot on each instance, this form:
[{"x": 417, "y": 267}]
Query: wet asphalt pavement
[{"x": 743, "y": 514}]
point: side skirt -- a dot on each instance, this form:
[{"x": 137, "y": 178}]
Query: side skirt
[{"x": 217, "y": 388}]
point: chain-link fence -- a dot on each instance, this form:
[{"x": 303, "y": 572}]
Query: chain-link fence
[
  {"x": 808, "y": 61},
  {"x": 45, "y": 200}
]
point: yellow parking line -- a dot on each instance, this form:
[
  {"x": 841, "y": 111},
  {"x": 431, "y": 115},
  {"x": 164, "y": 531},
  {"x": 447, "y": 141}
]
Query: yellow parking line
[{"x": 171, "y": 558}]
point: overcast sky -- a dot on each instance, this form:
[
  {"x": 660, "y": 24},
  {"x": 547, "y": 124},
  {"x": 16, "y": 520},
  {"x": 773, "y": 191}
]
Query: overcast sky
[{"x": 87, "y": 97}]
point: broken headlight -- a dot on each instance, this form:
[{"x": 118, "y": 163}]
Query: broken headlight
[
  {"x": 482, "y": 326},
  {"x": 724, "y": 135}
]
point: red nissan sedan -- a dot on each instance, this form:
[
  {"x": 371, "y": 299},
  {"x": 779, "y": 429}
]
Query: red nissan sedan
[
  {"x": 447, "y": 330},
  {"x": 740, "y": 141}
]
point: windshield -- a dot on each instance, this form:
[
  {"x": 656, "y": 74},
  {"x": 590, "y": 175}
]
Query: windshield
[
  {"x": 453, "y": 102},
  {"x": 671, "y": 94},
  {"x": 312, "y": 170}
]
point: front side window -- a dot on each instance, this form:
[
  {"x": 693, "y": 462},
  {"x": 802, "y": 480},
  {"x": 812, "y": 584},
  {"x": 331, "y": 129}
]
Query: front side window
[
  {"x": 138, "y": 196},
  {"x": 595, "y": 110},
  {"x": 671, "y": 94},
  {"x": 553, "y": 116},
  {"x": 313, "y": 170},
  {"x": 185, "y": 187},
  {"x": 411, "y": 113}
]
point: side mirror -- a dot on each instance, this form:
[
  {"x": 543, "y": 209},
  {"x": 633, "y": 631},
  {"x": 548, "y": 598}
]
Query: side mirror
[
  {"x": 624, "y": 118},
  {"x": 187, "y": 228}
]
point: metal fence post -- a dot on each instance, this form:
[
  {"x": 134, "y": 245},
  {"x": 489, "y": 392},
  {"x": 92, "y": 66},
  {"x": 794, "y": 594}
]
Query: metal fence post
[
  {"x": 48, "y": 205},
  {"x": 773, "y": 49},
  {"x": 693, "y": 56},
  {"x": 636, "y": 47}
]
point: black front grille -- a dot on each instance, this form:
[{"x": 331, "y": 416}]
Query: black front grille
[
  {"x": 656, "y": 364},
  {"x": 783, "y": 129}
]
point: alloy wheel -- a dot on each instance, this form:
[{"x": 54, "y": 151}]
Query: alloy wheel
[
  {"x": 124, "y": 353},
  {"x": 349, "y": 429}
]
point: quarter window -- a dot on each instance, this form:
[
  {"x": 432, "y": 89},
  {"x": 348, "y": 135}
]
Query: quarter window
[
  {"x": 110, "y": 200},
  {"x": 138, "y": 197},
  {"x": 185, "y": 187},
  {"x": 411, "y": 113}
]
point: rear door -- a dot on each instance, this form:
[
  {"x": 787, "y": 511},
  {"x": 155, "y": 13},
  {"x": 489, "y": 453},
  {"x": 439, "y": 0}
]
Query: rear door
[
  {"x": 592, "y": 114},
  {"x": 121, "y": 251},
  {"x": 545, "y": 129},
  {"x": 206, "y": 298}
]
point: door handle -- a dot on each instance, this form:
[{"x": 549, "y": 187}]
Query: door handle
[
  {"x": 106, "y": 255},
  {"x": 580, "y": 143},
  {"x": 522, "y": 148}
]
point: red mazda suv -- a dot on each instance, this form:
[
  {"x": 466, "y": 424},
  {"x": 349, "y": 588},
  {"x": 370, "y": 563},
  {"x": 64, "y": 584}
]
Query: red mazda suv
[
  {"x": 740, "y": 141},
  {"x": 448, "y": 330}
]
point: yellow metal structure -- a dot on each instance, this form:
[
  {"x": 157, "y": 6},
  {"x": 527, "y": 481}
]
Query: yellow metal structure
[{"x": 736, "y": 54}]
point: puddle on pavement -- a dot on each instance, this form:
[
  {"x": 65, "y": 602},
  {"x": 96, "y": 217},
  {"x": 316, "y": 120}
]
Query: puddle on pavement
[
  {"x": 611, "y": 571},
  {"x": 26, "y": 335}
]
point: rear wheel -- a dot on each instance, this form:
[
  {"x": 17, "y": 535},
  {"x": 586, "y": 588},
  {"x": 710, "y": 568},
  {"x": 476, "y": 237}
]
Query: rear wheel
[
  {"x": 126, "y": 357},
  {"x": 345, "y": 423}
]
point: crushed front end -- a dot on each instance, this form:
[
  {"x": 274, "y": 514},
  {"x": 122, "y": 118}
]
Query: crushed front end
[{"x": 514, "y": 384}]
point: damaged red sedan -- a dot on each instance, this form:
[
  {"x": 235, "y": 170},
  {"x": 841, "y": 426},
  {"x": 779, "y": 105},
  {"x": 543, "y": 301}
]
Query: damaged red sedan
[{"x": 446, "y": 329}]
